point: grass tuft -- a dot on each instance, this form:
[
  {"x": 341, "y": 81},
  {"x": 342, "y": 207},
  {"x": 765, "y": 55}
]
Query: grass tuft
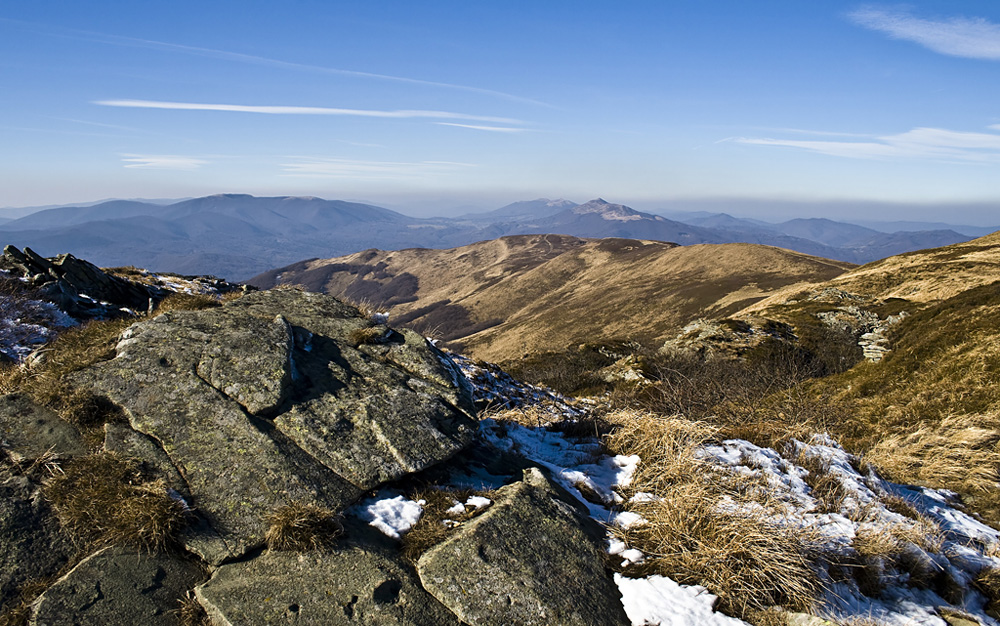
[
  {"x": 367, "y": 335},
  {"x": 436, "y": 522},
  {"x": 107, "y": 499},
  {"x": 187, "y": 302},
  {"x": 191, "y": 613},
  {"x": 299, "y": 527},
  {"x": 18, "y": 611},
  {"x": 709, "y": 527}
]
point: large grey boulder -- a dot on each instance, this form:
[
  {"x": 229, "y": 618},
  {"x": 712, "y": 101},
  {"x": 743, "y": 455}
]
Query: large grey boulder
[
  {"x": 349, "y": 586},
  {"x": 527, "y": 560},
  {"x": 117, "y": 586},
  {"x": 31, "y": 544},
  {"x": 269, "y": 400}
]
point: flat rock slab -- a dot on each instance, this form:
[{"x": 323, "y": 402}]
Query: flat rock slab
[
  {"x": 351, "y": 586},
  {"x": 527, "y": 560},
  {"x": 117, "y": 587},
  {"x": 266, "y": 401},
  {"x": 31, "y": 543},
  {"x": 28, "y": 431}
]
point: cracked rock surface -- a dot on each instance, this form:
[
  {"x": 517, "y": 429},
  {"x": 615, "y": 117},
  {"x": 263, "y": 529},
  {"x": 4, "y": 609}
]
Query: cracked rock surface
[
  {"x": 267, "y": 401},
  {"x": 348, "y": 586},
  {"x": 118, "y": 586}
]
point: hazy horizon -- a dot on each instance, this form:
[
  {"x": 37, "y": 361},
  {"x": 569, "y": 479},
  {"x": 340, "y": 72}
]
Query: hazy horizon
[{"x": 834, "y": 109}]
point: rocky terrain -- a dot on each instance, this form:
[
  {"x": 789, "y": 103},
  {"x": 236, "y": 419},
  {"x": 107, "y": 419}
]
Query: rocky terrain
[{"x": 281, "y": 456}]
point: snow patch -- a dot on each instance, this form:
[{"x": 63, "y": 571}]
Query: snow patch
[{"x": 394, "y": 516}]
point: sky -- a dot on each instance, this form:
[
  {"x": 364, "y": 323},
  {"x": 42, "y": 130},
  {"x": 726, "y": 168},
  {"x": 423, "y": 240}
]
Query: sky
[{"x": 841, "y": 109}]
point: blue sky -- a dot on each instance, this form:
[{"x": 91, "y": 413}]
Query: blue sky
[{"x": 442, "y": 106}]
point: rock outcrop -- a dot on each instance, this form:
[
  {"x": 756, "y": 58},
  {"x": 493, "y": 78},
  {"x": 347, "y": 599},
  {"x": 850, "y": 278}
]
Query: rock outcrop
[
  {"x": 267, "y": 401},
  {"x": 78, "y": 287},
  {"x": 288, "y": 398}
]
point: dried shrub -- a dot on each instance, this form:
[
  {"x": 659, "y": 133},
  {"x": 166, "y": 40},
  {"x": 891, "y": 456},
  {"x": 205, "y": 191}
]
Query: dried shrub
[
  {"x": 298, "y": 527},
  {"x": 105, "y": 499}
]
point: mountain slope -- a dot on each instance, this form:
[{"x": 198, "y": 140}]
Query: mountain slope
[
  {"x": 503, "y": 298},
  {"x": 920, "y": 276}
]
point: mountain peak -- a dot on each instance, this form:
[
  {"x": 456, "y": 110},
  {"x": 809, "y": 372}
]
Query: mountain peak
[{"x": 608, "y": 211}]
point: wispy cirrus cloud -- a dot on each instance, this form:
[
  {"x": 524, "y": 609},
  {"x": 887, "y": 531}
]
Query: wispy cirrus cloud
[
  {"x": 974, "y": 38},
  {"x": 162, "y": 162},
  {"x": 494, "y": 129},
  {"x": 316, "y": 167},
  {"x": 918, "y": 143},
  {"x": 303, "y": 110},
  {"x": 250, "y": 59}
]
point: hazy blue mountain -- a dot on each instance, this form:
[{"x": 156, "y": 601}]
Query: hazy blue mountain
[
  {"x": 237, "y": 236},
  {"x": 523, "y": 210},
  {"x": 824, "y": 237},
  {"x": 599, "y": 218},
  {"x": 908, "y": 226},
  {"x": 69, "y": 216},
  {"x": 723, "y": 221},
  {"x": 828, "y": 232}
]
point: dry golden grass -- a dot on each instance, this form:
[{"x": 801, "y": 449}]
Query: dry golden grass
[
  {"x": 368, "y": 309},
  {"x": 187, "y": 302},
  {"x": 825, "y": 488},
  {"x": 106, "y": 499},
  {"x": 299, "y": 527},
  {"x": 73, "y": 350},
  {"x": 885, "y": 549},
  {"x": 709, "y": 527},
  {"x": 959, "y": 451},
  {"x": 367, "y": 335},
  {"x": 988, "y": 582},
  {"x": 18, "y": 611}
]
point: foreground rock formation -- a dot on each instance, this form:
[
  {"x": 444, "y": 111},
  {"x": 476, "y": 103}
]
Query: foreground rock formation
[{"x": 287, "y": 399}]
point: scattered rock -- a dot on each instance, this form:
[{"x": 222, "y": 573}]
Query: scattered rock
[
  {"x": 116, "y": 586},
  {"x": 527, "y": 560},
  {"x": 350, "y": 586}
]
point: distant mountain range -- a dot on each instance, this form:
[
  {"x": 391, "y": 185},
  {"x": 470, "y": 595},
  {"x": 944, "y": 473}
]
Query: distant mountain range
[{"x": 237, "y": 236}]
